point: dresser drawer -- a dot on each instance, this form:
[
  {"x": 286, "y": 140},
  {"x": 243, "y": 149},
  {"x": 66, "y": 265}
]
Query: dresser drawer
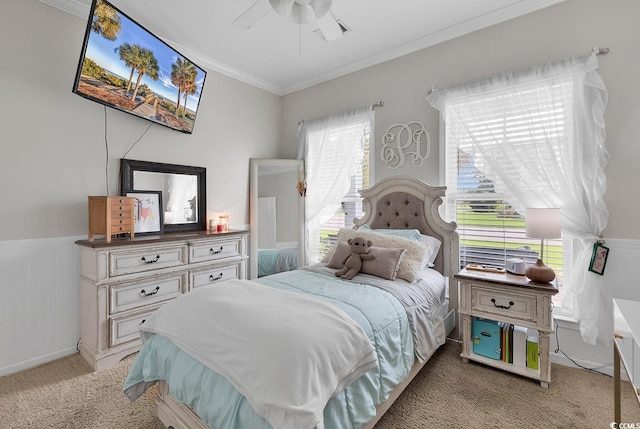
[
  {"x": 127, "y": 296},
  {"x": 515, "y": 305},
  {"x": 125, "y": 327},
  {"x": 142, "y": 260},
  {"x": 214, "y": 275},
  {"x": 215, "y": 250}
]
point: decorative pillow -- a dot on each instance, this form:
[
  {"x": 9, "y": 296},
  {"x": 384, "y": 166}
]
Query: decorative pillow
[
  {"x": 412, "y": 234},
  {"x": 340, "y": 253},
  {"x": 412, "y": 260},
  {"x": 433, "y": 247},
  {"x": 431, "y": 243},
  {"x": 385, "y": 265}
]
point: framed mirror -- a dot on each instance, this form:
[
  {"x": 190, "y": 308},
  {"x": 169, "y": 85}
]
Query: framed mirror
[
  {"x": 183, "y": 187},
  {"x": 276, "y": 211}
]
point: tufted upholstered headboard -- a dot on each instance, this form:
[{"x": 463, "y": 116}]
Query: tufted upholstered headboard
[{"x": 405, "y": 202}]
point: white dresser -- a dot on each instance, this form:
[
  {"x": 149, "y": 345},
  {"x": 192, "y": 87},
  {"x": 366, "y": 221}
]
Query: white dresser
[{"x": 123, "y": 282}]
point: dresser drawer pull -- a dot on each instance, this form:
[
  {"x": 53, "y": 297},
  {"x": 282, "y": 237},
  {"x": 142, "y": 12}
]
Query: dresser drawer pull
[
  {"x": 150, "y": 261},
  {"x": 213, "y": 279},
  {"x": 502, "y": 306},
  {"x": 155, "y": 291},
  {"x": 215, "y": 252}
]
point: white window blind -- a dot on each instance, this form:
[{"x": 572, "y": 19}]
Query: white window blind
[{"x": 482, "y": 133}]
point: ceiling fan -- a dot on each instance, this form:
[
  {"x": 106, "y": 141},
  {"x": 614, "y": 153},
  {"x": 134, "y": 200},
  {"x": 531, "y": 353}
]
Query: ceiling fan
[{"x": 298, "y": 12}]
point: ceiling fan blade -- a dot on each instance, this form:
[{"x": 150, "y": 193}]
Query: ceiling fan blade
[
  {"x": 252, "y": 15},
  {"x": 320, "y": 7},
  {"x": 329, "y": 27},
  {"x": 283, "y": 7},
  {"x": 300, "y": 14}
]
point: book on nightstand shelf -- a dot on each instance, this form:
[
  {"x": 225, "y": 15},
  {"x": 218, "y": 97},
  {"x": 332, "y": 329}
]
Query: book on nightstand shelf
[
  {"x": 520, "y": 346},
  {"x": 507, "y": 342},
  {"x": 532, "y": 349}
]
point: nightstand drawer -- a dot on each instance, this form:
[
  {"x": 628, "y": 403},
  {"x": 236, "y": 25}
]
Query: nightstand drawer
[{"x": 515, "y": 305}]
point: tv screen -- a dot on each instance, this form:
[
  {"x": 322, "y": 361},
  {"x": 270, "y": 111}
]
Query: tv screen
[{"x": 124, "y": 66}]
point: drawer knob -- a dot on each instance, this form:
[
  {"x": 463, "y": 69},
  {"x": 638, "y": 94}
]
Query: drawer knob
[
  {"x": 213, "y": 279},
  {"x": 150, "y": 261},
  {"x": 155, "y": 291},
  {"x": 215, "y": 252},
  {"x": 506, "y": 307}
]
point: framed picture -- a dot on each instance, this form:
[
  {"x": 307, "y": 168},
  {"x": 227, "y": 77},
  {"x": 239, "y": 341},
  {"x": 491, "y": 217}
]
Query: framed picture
[
  {"x": 598, "y": 258},
  {"x": 147, "y": 212}
]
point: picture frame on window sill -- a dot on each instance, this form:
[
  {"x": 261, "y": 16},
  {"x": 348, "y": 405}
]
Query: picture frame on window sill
[
  {"x": 599, "y": 258},
  {"x": 148, "y": 214}
]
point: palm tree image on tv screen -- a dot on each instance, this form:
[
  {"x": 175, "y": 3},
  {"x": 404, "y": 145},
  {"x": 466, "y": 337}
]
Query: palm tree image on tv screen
[{"x": 126, "y": 67}]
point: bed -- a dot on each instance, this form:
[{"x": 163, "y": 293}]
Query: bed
[
  {"x": 403, "y": 319},
  {"x": 277, "y": 260}
]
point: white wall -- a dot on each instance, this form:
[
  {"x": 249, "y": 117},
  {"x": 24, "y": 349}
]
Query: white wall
[
  {"x": 568, "y": 29},
  {"x": 53, "y": 141},
  {"x": 52, "y": 156}
]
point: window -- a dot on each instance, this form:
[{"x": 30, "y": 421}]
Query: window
[
  {"x": 336, "y": 151},
  {"x": 351, "y": 204},
  {"x": 538, "y": 137},
  {"x": 481, "y": 133}
]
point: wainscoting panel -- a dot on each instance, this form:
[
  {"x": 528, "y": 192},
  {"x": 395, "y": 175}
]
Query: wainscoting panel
[
  {"x": 40, "y": 313},
  {"x": 39, "y": 301},
  {"x": 622, "y": 281}
]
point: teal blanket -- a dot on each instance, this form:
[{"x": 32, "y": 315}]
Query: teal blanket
[{"x": 220, "y": 406}]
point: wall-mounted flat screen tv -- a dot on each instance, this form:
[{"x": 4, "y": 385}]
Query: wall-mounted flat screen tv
[{"x": 125, "y": 66}]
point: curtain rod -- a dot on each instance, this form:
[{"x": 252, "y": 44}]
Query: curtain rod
[
  {"x": 380, "y": 103},
  {"x": 598, "y": 50}
]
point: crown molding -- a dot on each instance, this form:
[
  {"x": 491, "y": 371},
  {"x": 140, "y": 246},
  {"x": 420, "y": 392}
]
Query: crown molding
[
  {"x": 75, "y": 7},
  {"x": 443, "y": 35}
]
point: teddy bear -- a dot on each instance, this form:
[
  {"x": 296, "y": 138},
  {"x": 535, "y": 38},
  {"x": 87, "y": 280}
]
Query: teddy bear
[{"x": 359, "y": 247}]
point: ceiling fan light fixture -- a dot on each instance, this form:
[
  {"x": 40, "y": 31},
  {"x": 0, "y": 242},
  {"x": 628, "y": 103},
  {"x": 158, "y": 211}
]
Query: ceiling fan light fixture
[
  {"x": 320, "y": 7},
  {"x": 283, "y": 7},
  {"x": 300, "y": 14}
]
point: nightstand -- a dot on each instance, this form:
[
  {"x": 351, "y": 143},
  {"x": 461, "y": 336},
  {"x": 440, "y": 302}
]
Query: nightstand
[
  {"x": 508, "y": 298},
  {"x": 626, "y": 328}
]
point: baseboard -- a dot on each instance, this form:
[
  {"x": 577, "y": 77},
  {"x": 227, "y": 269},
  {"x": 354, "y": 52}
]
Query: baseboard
[
  {"x": 37, "y": 361},
  {"x": 606, "y": 369}
]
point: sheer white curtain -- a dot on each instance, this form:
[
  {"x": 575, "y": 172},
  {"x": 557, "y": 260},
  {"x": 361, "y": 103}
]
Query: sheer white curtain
[
  {"x": 182, "y": 188},
  {"x": 331, "y": 148},
  {"x": 555, "y": 157}
]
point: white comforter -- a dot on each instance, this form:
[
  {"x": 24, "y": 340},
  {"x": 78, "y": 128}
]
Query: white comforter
[{"x": 251, "y": 360}]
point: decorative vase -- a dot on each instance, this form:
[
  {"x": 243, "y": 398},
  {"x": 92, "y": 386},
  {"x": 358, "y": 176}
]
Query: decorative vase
[{"x": 539, "y": 272}]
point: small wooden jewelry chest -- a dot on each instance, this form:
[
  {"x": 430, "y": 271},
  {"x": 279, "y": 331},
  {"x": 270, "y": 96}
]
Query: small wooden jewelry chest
[{"x": 110, "y": 215}]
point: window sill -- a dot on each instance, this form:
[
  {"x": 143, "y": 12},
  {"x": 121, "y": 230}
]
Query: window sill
[{"x": 564, "y": 317}]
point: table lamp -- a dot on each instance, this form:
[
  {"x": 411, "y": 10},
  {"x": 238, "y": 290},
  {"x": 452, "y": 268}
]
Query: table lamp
[{"x": 542, "y": 223}]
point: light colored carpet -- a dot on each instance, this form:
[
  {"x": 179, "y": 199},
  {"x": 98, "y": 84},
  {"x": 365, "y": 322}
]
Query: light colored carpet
[{"x": 446, "y": 394}]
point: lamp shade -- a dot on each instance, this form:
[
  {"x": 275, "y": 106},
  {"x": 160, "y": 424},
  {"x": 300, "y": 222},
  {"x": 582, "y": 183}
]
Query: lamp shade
[{"x": 543, "y": 223}]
